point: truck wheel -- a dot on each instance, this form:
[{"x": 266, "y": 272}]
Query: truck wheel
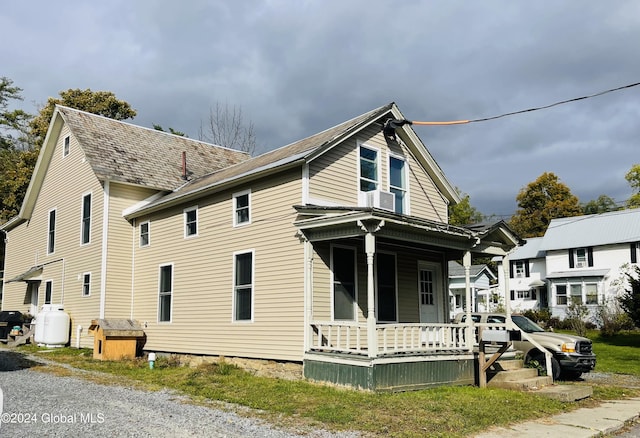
[{"x": 555, "y": 366}]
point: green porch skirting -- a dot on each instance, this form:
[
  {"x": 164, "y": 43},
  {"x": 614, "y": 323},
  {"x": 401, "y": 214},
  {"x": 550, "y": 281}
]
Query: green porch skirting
[{"x": 402, "y": 373}]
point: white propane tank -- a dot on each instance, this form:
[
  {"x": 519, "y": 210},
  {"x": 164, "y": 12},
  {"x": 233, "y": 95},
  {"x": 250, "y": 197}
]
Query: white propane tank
[
  {"x": 38, "y": 335},
  {"x": 56, "y": 327}
]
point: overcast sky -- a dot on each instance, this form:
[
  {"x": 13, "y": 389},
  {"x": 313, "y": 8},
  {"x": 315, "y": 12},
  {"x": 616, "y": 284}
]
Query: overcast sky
[{"x": 298, "y": 67}]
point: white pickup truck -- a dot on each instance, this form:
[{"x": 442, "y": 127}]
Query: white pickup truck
[{"x": 572, "y": 355}]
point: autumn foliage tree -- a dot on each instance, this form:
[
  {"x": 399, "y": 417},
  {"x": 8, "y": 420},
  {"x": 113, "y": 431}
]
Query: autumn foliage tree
[
  {"x": 540, "y": 201},
  {"x": 464, "y": 213}
]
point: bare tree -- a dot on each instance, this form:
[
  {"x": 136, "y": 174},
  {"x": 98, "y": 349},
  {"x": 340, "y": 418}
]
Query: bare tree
[{"x": 226, "y": 127}]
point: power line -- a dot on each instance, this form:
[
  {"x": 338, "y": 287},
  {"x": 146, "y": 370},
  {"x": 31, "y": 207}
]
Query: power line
[{"x": 562, "y": 102}]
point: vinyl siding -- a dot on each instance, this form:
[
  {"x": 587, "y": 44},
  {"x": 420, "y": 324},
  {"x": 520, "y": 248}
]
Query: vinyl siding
[
  {"x": 66, "y": 181},
  {"x": 203, "y": 281},
  {"x": 333, "y": 176},
  {"x": 121, "y": 238}
]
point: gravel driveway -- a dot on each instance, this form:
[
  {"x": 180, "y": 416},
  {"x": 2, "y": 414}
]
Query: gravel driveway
[{"x": 42, "y": 404}]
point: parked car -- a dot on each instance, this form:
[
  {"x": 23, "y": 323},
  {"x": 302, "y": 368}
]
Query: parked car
[{"x": 572, "y": 355}]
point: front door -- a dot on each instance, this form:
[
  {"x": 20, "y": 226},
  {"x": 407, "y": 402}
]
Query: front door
[
  {"x": 33, "y": 305},
  {"x": 430, "y": 291}
]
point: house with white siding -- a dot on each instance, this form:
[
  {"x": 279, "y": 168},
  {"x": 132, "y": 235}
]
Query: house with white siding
[
  {"x": 579, "y": 259},
  {"x": 481, "y": 280},
  {"x": 332, "y": 251}
]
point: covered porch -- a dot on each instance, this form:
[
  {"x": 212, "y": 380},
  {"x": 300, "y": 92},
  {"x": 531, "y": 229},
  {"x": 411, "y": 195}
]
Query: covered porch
[{"x": 376, "y": 297}]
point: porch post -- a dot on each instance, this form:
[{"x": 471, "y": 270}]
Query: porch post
[
  {"x": 506, "y": 262},
  {"x": 372, "y": 339},
  {"x": 466, "y": 262},
  {"x": 308, "y": 295}
]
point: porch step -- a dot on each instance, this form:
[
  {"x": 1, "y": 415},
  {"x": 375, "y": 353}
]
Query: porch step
[
  {"x": 566, "y": 393},
  {"x": 513, "y": 375},
  {"x": 506, "y": 365},
  {"x": 522, "y": 384}
]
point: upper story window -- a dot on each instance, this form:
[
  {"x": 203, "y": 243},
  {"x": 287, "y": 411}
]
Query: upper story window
[
  {"x": 66, "y": 147},
  {"x": 580, "y": 257},
  {"x": 634, "y": 252},
  {"x": 519, "y": 268},
  {"x": 145, "y": 234},
  {"x": 242, "y": 208},
  {"x": 398, "y": 183},
  {"x": 51, "y": 235},
  {"x": 191, "y": 222},
  {"x": 85, "y": 232},
  {"x": 369, "y": 169}
]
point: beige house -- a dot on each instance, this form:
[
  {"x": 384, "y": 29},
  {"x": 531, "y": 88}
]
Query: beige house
[{"x": 331, "y": 251}]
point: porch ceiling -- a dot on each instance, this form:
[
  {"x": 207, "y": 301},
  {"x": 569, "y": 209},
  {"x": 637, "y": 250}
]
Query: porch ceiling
[{"x": 329, "y": 223}]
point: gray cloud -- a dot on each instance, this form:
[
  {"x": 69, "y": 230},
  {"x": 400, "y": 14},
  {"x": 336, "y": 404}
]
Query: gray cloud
[{"x": 296, "y": 68}]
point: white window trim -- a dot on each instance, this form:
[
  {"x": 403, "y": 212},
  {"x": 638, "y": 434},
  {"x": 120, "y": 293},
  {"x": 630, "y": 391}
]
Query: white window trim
[
  {"x": 519, "y": 273},
  {"x": 355, "y": 277},
  {"x": 234, "y": 205},
  {"x": 184, "y": 218},
  {"x": 82, "y": 218},
  {"x": 55, "y": 229},
  {"x": 50, "y": 281},
  {"x": 148, "y": 223},
  {"x": 378, "y": 150},
  {"x": 406, "y": 208},
  {"x": 395, "y": 262},
  {"x": 173, "y": 276},
  {"x": 253, "y": 287},
  {"x": 66, "y": 146},
  {"x": 82, "y": 280}
]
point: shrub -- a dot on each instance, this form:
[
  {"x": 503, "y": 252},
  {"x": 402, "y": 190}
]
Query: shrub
[
  {"x": 612, "y": 319},
  {"x": 577, "y": 315},
  {"x": 541, "y": 316}
]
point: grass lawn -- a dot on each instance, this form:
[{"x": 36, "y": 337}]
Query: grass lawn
[
  {"x": 617, "y": 354},
  {"x": 438, "y": 412}
]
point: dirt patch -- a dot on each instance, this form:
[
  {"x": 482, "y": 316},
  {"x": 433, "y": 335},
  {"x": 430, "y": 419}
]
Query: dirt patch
[{"x": 257, "y": 367}]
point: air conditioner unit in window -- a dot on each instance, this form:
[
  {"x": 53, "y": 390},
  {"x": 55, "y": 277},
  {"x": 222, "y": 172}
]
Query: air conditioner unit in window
[
  {"x": 380, "y": 199},
  {"x": 581, "y": 265}
]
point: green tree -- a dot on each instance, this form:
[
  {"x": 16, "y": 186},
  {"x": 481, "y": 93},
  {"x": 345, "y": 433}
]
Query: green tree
[
  {"x": 540, "y": 201},
  {"x": 464, "y": 213},
  {"x": 630, "y": 298},
  {"x": 103, "y": 103},
  {"x": 171, "y": 130},
  {"x": 603, "y": 204},
  {"x": 633, "y": 178},
  {"x": 12, "y": 123}
]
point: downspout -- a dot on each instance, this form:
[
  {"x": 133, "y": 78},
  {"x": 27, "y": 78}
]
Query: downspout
[
  {"x": 308, "y": 294},
  {"x": 105, "y": 237}
]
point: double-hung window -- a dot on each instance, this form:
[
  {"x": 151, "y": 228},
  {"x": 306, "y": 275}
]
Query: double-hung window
[
  {"x": 191, "y": 222},
  {"x": 145, "y": 234},
  {"x": 561, "y": 295},
  {"x": 581, "y": 257},
  {"x": 51, "y": 234},
  {"x": 86, "y": 284},
  {"x": 576, "y": 293},
  {"x": 243, "y": 286},
  {"x": 591, "y": 292},
  {"x": 369, "y": 169},
  {"x": 85, "y": 227},
  {"x": 386, "y": 286},
  {"x": 398, "y": 183},
  {"x": 242, "y": 208},
  {"x": 165, "y": 293}
]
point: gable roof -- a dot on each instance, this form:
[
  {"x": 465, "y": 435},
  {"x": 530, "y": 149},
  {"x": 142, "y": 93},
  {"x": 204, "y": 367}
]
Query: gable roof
[
  {"x": 299, "y": 152},
  {"x": 592, "y": 230},
  {"x": 457, "y": 270},
  {"x": 126, "y": 153},
  {"x": 530, "y": 250}
]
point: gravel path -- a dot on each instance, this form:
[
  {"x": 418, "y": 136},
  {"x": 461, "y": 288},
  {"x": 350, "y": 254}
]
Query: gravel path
[{"x": 39, "y": 404}]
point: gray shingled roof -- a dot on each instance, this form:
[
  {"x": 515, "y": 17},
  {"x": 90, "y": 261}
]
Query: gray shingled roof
[
  {"x": 593, "y": 230},
  {"x": 457, "y": 270},
  {"x": 123, "y": 152},
  {"x": 279, "y": 157}
]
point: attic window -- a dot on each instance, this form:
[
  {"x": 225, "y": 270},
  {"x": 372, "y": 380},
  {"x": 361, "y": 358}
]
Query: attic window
[{"x": 66, "y": 147}]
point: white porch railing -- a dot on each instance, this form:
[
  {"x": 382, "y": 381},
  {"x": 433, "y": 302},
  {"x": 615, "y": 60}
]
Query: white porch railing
[{"x": 351, "y": 337}]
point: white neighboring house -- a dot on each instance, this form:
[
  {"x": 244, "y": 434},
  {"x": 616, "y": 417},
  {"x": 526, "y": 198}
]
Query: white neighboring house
[
  {"x": 579, "y": 259},
  {"x": 527, "y": 269},
  {"x": 480, "y": 277}
]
